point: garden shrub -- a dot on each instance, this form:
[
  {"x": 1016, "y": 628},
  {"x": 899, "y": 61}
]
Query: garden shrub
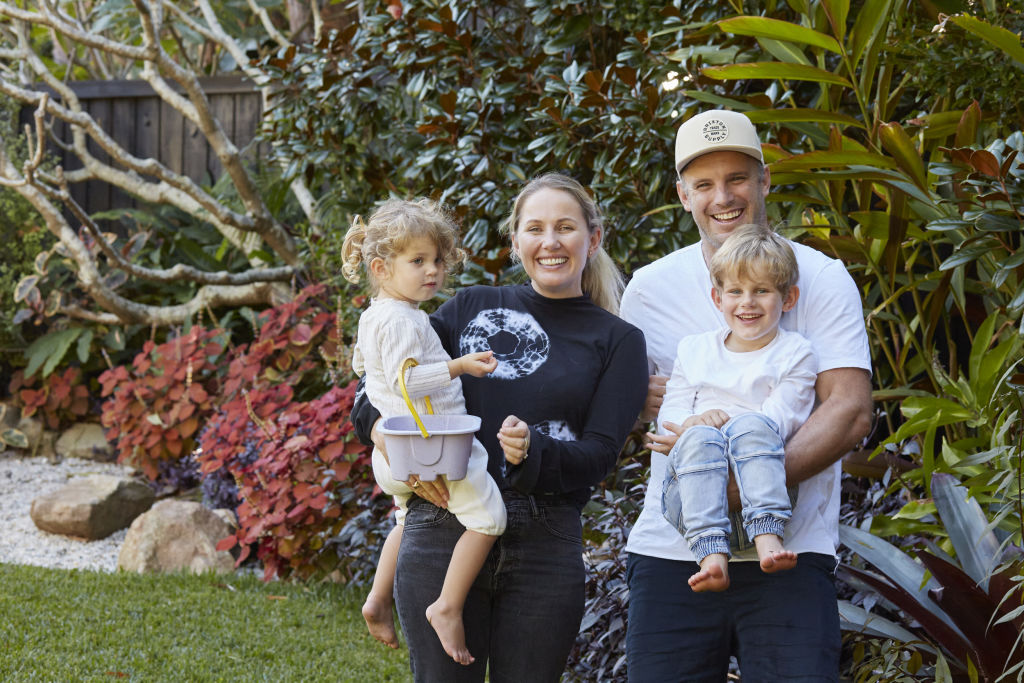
[
  {"x": 60, "y": 398},
  {"x": 275, "y": 443},
  {"x": 291, "y": 501},
  {"x": 156, "y": 406}
]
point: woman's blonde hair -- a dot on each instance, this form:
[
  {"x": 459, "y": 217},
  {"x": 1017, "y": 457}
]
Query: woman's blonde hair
[
  {"x": 601, "y": 277},
  {"x": 390, "y": 230},
  {"x": 754, "y": 250}
]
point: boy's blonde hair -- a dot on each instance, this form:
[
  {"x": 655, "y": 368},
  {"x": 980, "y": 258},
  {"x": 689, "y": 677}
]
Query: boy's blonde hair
[
  {"x": 390, "y": 230},
  {"x": 751, "y": 251},
  {"x": 602, "y": 280}
]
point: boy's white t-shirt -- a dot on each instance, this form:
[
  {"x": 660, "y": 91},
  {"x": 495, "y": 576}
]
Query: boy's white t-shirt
[
  {"x": 776, "y": 380},
  {"x": 670, "y": 299}
]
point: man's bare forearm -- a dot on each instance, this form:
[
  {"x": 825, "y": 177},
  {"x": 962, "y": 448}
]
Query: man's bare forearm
[{"x": 838, "y": 424}]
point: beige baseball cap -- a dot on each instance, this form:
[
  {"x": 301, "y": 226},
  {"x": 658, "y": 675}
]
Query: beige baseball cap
[{"x": 716, "y": 131}]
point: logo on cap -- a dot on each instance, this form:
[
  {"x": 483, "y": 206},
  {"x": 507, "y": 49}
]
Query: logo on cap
[{"x": 715, "y": 130}]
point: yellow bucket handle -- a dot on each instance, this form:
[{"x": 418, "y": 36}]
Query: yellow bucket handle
[{"x": 406, "y": 364}]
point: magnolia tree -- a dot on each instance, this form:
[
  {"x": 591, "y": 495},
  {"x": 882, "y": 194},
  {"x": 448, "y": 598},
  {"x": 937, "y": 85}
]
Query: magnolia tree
[{"x": 166, "y": 43}]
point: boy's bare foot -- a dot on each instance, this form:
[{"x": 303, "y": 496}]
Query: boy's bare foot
[
  {"x": 448, "y": 625},
  {"x": 778, "y": 560},
  {"x": 713, "y": 574},
  {"x": 380, "y": 620},
  {"x": 773, "y": 557}
]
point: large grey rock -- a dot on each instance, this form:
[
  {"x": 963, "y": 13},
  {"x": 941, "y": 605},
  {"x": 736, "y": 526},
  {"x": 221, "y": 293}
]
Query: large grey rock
[
  {"x": 92, "y": 507},
  {"x": 85, "y": 440},
  {"x": 176, "y": 535}
]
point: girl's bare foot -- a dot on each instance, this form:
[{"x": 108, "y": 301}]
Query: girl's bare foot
[
  {"x": 774, "y": 558},
  {"x": 713, "y": 574},
  {"x": 447, "y": 623},
  {"x": 380, "y": 620}
]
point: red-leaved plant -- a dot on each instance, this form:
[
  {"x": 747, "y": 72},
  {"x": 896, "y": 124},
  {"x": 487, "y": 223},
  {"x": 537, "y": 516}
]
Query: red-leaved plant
[
  {"x": 60, "y": 398},
  {"x": 290, "y": 493},
  {"x": 155, "y": 406},
  {"x": 289, "y": 457}
]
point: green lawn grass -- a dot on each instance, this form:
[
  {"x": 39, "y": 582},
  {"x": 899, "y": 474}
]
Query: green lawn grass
[{"x": 58, "y": 625}]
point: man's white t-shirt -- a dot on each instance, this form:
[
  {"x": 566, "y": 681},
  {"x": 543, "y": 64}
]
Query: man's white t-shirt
[{"x": 670, "y": 299}]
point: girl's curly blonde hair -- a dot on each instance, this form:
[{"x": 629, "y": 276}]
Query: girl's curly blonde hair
[{"x": 390, "y": 230}]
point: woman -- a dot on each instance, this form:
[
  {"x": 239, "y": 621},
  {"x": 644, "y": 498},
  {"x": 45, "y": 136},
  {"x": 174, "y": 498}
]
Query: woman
[{"x": 570, "y": 382}]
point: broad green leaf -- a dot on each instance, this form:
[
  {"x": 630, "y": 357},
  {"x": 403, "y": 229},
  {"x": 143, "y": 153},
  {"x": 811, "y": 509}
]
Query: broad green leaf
[
  {"x": 15, "y": 438},
  {"x": 709, "y": 54},
  {"x": 982, "y": 339},
  {"x": 40, "y": 262},
  {"x": 859, "y": 620},
  {"x": 828, "y": 159},
  {"x": 901, "y": 147},
  {"x": 784, "y": 52},
  {"x": 967, "y": 254},
  {"x": 82, "y": 347},
  {"x": 919, "y": 408},
  {"x": 976, "y": 546},
  {"x": 24, "y": 286},
  {"x": 837, "y": 11},
  {"x": 946, "y": 224},
  {"x": 775, "y": 29},
  {"x": 916, "y": 509},
  {"x": 967, "y": 127},
  {"x": 711, "y": 98},
  {"x": 939, "y": 125},
  {"x": 789, "y": 115},
  {"x": 994, "y": 364},
  {"x": 873, "y": 15},
  {"x": 771, "y": 70},
  {"x": 896, "y": 566},
  {"x": 49, "y": 350},
  {"x": 1005, "y": 40}
]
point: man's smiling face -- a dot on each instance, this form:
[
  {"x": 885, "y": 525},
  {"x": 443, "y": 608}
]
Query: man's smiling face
[{"x": 724, "y": 190}]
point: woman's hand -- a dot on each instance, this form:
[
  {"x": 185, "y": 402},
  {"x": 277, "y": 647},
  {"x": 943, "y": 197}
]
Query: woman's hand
[
  {"x": 514, "y": 437},
  {"x": 434, "y": 491}
]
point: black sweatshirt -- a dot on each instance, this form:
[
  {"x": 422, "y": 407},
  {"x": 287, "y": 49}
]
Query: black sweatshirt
[{"x": 572, "y": 371}]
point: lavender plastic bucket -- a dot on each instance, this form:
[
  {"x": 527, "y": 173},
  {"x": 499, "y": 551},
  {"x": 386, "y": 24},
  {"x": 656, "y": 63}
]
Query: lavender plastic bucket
[{"x": 445, "y": 452}]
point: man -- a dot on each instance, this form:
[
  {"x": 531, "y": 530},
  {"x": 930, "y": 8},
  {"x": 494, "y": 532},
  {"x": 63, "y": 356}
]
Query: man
[{"x": 782, "y": 626}]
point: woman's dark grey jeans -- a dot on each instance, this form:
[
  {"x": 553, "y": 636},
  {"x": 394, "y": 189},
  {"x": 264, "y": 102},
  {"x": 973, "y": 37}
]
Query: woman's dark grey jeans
[{"x": 524, "y": 610}]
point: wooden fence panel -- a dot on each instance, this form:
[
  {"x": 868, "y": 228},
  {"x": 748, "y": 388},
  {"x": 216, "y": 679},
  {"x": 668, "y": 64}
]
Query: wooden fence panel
[{"x": 131, "y": 113}]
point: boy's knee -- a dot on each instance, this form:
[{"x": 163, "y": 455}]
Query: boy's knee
[{"x": 753, "y": 426}]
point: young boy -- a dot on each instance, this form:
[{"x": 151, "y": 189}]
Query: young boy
[{"x": 738, "y": 394}]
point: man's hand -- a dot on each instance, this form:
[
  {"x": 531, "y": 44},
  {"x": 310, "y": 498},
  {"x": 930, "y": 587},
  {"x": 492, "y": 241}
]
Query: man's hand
[
  {"x": 514, "y": 437},
  {"x": 477, "y": 364},
  {"x": 655, "y": 397}
]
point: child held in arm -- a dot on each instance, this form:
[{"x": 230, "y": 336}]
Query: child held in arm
[
  {"x": 407, "y": 248},
  {"x": 735, "y": 396}
]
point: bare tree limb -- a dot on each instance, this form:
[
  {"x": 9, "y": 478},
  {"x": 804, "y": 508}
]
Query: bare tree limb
[{"x": 177, "y": 84}]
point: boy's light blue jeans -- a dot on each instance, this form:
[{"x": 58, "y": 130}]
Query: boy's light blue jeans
[{"x": 694, "y": 499}]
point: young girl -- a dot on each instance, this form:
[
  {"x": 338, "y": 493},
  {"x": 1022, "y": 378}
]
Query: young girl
[{"x": 407, "y": 248}]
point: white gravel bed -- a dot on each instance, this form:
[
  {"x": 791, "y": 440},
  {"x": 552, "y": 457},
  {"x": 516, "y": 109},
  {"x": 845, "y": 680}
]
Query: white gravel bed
[{"x": 24, "y": 479}]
